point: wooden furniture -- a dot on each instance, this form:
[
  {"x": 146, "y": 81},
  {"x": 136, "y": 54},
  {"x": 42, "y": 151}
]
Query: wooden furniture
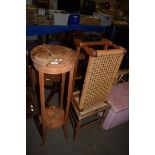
[
  {"x": 54, "y": 59},
  {"x": 101, "y": 71},
  {"x": 31, "y": 104}
]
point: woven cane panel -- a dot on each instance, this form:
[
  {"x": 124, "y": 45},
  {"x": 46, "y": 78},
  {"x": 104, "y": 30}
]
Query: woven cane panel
[{"x": 100, "y": 75}]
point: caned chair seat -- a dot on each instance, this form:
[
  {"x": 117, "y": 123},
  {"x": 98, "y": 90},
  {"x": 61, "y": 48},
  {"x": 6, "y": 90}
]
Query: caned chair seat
[{"x": 90, "y": 110}]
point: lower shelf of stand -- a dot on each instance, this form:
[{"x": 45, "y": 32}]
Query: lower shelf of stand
[{"x": 54, "y": 117}]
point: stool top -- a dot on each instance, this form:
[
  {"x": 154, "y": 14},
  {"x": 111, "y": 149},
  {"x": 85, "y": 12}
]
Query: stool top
[{"x": 48, "y": 57}]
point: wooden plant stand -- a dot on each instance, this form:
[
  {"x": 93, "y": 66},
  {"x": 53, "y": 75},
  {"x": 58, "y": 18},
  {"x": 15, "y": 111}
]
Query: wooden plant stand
[{"x": 54, "y": 59}]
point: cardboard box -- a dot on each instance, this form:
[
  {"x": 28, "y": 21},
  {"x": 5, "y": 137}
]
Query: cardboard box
[
  {"x": 31, "y": 16},
  {"x": 119, "y": 22},
  {"x": 89, "y": 20},
  {"x": 43, "y": 20}
]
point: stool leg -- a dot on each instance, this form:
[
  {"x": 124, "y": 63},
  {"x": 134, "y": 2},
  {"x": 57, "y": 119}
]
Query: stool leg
[
  {"x": 62, "y": 97},
  {"x": 62, "y": 89},
  {"x": 70, "y": 86},
  {"x": 42, "y": 102},
  {"x": 43, "y": 135},
  {"x": 65, "y": 130}
]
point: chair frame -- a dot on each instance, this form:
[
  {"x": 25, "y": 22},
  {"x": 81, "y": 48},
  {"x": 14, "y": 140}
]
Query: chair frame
[{"x": 75, "y": 118}]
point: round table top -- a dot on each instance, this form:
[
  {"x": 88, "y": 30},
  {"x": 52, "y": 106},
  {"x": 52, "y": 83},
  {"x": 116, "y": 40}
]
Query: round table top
[{"x": 53, "y": 59}]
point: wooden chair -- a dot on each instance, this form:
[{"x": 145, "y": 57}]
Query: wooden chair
[{"x": 101, "y": 71}]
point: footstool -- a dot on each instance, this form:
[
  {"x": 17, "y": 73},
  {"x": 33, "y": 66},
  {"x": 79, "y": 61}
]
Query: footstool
[{"x": 119, "y": 101}]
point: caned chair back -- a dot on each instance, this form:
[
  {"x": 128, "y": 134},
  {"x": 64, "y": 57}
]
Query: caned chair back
[{"x": 100, "y": 75}]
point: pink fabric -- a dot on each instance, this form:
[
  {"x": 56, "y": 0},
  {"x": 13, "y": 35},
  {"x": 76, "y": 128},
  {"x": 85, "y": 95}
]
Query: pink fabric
[
  {"x": 119, "y": 97},
  {"x": 119, "y": 100},
  {"x": 114, "y": 119}
]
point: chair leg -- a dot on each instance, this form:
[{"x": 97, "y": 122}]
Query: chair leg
[
  {"x": 43, "y": 135},
  {"x": 105, "y": 112},
  {"x": 65, "y": 130},
  {"x": 76, "y": 130}
]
